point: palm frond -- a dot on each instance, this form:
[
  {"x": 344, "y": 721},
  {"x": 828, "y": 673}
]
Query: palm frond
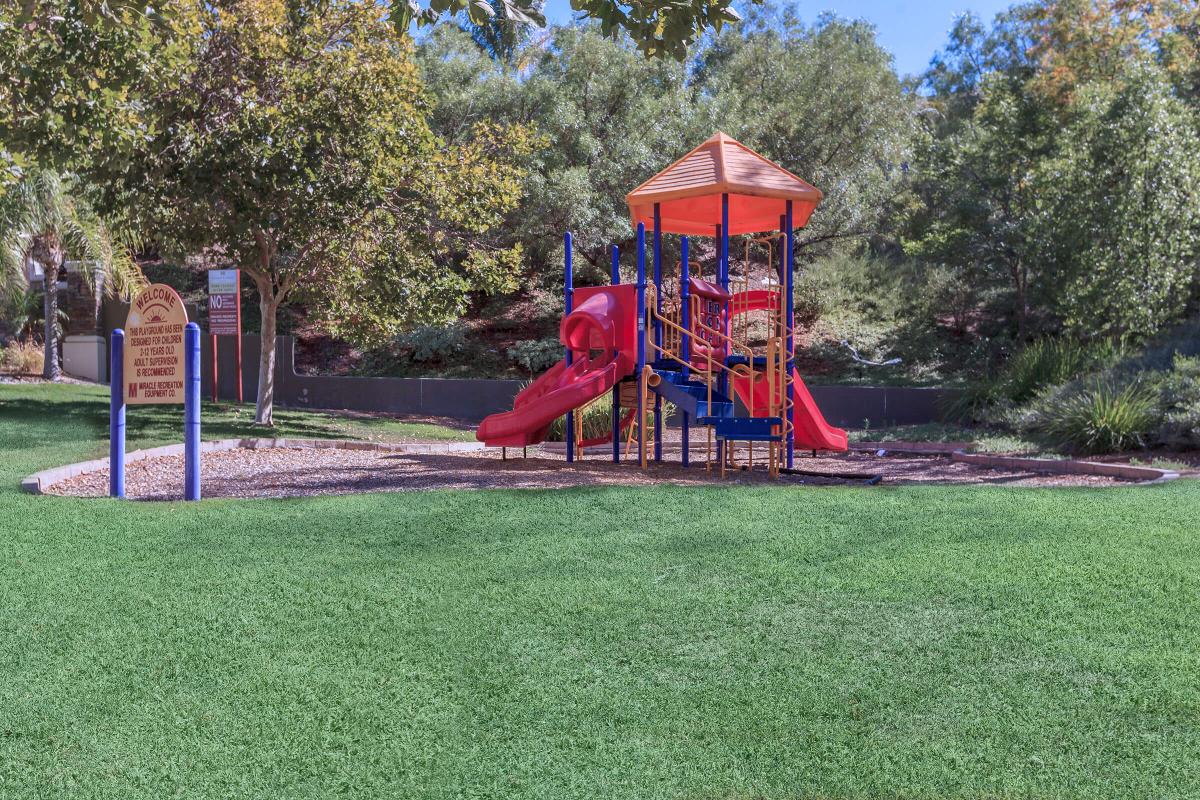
[{"x": 45, "y": 203}]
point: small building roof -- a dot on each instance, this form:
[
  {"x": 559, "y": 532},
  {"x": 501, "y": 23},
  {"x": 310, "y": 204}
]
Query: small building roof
[{"x": 689, "y": 192}]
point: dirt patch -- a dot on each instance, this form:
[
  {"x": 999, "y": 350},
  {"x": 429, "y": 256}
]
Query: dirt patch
[{"x": 283, "y": 472}]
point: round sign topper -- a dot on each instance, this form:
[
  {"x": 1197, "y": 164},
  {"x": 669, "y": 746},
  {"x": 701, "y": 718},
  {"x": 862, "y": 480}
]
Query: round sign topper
[{"x": 154, "y": 346}]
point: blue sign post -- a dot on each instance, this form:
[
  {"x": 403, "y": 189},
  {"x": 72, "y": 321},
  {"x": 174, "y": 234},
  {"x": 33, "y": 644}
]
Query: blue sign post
[
  {"x": 116, "y": 416},
  {"x": 191, "y": 411}
]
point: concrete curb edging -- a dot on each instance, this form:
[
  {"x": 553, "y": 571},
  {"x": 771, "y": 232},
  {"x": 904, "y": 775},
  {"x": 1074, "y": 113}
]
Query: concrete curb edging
[
  {"x": 1055, "y": 466},
  {"x": 39, "y": 482},
  {"x": 926, "y": 448}
]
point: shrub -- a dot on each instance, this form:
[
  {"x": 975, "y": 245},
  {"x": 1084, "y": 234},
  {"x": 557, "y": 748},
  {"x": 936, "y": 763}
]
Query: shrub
[
  {"x": 23, "y": 358},
  {"x": 1098, "y": 417},
  {"x": 1179, "y": 404},
  {"x": 536, "y": 355},
  {"x": 434, "y": 342},
  {"x": 597, "y": 419}
]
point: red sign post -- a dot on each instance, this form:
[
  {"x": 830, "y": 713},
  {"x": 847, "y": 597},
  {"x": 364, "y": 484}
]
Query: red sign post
[{"x": 225, "y": 317}]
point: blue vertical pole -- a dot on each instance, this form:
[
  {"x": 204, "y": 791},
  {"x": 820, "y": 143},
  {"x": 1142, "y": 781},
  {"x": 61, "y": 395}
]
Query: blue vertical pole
[
  {"x": 641, "y": 331},
  {"x": 685, "y": 347},
  {"x": 616, "y": 392},
  {"x": 791, "y": 322},
  {"x": 116, "y": 416},
  {"x": 723, "y": 267},
  {"x": 782, "y": 266},
  {"x": 568, "y": 302},
  {"x": 191, "y": 411},
  {"x": 717, "y": 273},
  {"x": 723, "y": 275},
  {"x": 658, "y": 326}
]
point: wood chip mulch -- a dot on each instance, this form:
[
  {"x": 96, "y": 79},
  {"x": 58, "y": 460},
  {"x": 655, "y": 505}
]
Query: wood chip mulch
[{"x": 283, "y": 472}]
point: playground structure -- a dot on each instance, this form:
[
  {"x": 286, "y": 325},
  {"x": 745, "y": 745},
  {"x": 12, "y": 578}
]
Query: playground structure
[{"x": 702, "y": 345}]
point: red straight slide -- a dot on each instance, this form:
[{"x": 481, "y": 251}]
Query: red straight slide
[{"x": 812, "y": 431}]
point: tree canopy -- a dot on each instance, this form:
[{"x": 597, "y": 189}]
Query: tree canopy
[{"x": 298, "y": 149}]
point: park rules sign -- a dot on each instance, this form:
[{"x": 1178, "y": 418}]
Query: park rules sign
[
  {"x": 154, "y": 346},
  {"x": 224, "y": 303}
]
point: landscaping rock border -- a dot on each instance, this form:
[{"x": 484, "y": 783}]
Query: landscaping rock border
[
  {"x": 1054, "y": 466},
  {"x": 39, "y": 482}
]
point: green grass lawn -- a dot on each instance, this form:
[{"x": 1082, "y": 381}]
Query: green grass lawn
[{"x": 612, "y": 643}]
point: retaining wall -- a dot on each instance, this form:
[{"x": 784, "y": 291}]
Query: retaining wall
[{"x": 474, "y": 399}]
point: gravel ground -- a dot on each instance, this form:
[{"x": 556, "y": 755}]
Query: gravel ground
[{"x": 283, "y": 472}]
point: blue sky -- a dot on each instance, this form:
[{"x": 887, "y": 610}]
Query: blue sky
[{"x": 912, "y": 29}]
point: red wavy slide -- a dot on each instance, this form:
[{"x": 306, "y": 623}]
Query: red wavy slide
[
  {"x": 594, "y": 326},
  {"x": 812, "y": 431}
]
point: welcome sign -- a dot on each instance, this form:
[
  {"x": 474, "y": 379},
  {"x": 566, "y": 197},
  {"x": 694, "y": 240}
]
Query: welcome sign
[{"x": 154, "y": 347}]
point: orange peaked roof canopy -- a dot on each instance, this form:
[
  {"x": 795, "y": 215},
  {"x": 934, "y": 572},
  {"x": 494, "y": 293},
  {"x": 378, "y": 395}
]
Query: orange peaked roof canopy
[{"x": 689, "y": 192}]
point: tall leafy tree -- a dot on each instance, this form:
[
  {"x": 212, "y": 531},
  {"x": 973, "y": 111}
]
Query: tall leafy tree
[
  {"x": 44, "y": 218},
  {"x": 298, "y": 147},
  {"x": 665, "y": 28},
  {"x": 980, "y": 199},
  {"x": 1078, "y": 42},
  {"x": 1119, "y": 216},
  {"x": 823, "y": 100},
  {"x": 76, "y": 76},
  {"x": 612, "y": 119},
  {"x": 609, "y": 118}
]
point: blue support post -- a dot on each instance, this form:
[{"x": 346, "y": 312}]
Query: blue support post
[
  {"x": 723, "y": 266},
  {"x": 568, "y": 301},
  {"x": 116, "y": 416},
  {"x": 641, "y": 333},
  {"x": 616, "y": 391},
  {"x": 191, "y": 411},
  {"x": 789, "y": 317},
  {"x": 723, "y": 279},
  {"x": 658, "y": 326},
  {"x": 685, "y": 347},
  {"x": 781, "y": 268}
]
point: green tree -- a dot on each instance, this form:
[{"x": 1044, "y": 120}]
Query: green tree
[
  {"x": 298, "y": 148},
  {"x": 824, "y": 101},
  {"x": 76, "y": 75},
  {"x": 44, "y": 218},
  {"x": 609, "y": 118},
  {"x": 766, "y": 82},
  {"x": 657, "y": 27},
  {"x": 979, "y": 198},
  {"x": 1118, "y": 207}
]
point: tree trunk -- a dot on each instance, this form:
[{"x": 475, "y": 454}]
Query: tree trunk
[
  {"x": 50, "y": 368},
  {"x": 265, "y": 405},
  {"x": 1020, "y": 284}
]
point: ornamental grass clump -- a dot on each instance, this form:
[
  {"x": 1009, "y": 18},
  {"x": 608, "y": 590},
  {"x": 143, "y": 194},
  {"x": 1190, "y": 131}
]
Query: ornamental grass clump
[{"x": 1099, "y": 417}]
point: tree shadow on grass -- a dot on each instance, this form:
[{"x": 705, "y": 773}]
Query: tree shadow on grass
[
  {"x": 34, "y": 422},
  {"x": 27, "y": 423}
]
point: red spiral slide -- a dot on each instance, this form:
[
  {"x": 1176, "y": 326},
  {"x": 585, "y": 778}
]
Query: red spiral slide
[{"x": 601, "y": 335}]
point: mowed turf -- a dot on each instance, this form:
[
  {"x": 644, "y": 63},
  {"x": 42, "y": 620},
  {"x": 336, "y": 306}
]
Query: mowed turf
[{"x": 607, "y": 643}]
